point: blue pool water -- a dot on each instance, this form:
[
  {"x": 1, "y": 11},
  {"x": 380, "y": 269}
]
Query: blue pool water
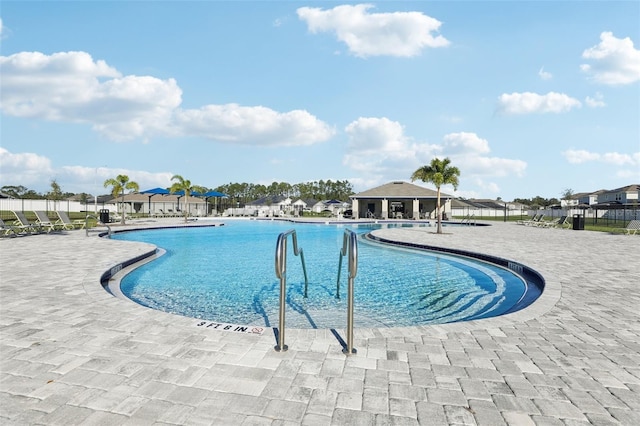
[{"x": 227, "y": 274}]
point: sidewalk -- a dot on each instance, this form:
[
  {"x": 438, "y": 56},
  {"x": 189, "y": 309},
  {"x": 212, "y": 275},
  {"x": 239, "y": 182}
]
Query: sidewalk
[{"x": 73, "y": 354}]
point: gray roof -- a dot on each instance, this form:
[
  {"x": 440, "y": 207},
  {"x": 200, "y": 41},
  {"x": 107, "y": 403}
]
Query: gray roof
[
  {"x": 586, "y": 194},
  {"x": 399, "y": 189},
  {"x": 269, "y": 199},
  {"x": 628, "y": 188}
]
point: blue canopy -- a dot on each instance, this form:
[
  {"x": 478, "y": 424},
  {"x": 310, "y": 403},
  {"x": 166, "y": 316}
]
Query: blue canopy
[
  {"x": 191, "y": 193},
  {"x": 156, "y": 191},
  {"x": 198, "y": 194},
  {"x": 214, "y": 194}
]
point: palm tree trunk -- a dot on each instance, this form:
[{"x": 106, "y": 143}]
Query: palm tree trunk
[
  {"x": 122, "y": 210},
  {"x": 186, "y": 206},
  {"x": 439, "y": 212}
]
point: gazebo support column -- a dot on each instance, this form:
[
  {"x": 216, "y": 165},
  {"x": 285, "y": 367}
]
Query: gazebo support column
[
  {"x": 416, "y": 208},
  {"x": 385, "y": 209}
]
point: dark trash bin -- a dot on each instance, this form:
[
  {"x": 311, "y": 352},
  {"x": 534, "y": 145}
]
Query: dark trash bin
[
  {"x": 104, "y": 215},
  {"x": 578, "y": 222}
]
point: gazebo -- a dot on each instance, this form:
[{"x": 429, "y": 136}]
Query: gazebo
[{"x": 398, "y": 200}]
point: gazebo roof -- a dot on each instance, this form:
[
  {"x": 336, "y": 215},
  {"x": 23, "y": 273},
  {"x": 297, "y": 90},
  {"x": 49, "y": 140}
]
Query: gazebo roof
[
  {"x": 137, "y": 197},
  {"x": 399, "y": 189}
]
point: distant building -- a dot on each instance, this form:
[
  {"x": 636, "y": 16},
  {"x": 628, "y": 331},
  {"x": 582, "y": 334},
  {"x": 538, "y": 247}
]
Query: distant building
[
  {"x": 399, "y": 200},
  {"x": 624, "y": 197},
  {"x": 581, "y": 199}
]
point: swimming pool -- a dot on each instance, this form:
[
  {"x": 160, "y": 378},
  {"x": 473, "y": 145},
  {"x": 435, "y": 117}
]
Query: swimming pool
[{"x": 226, "y": 274}]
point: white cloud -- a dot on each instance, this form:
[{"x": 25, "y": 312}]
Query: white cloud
[
  {"x": 618, "y": 159},
  {"x": 375, "y": 34},
  {"x": 453, "y": 119},
  {"x": 488, "y": 186},
  {"x": 544, "y": 74},
  {"x": 579, "y": 156},
  {"x": 614, "y": 158},
  {"x": 98, "y": 175},
  {"x": 615, "y": 61},
  {"x": 378, "y": 147},
  {"x": 24, "y": 168},
  {"x": 595, "y": 102},
  {"x": 34, "y": 171},
  {"x": 530, "y": 103},
  {"x": 371, "y": 135},
  {"x": 72, "y": 87},
  {"x": 468, "y": 152},
  {"x": 465, "y": 143},
  {"x": 255, "y": 125},
  {"x": 628, "y": 174}
]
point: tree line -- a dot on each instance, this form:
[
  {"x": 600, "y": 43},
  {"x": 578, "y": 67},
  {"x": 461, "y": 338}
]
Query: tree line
[
  {"x": 317, "y": 190},
  {"x": 538, "y": 202},
  {"x": 237, "y": 192},
  {"x": 22, "y": 192}
]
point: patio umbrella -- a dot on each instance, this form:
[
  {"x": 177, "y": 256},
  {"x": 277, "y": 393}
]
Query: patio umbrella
[
  {"x": 215, "y": 194},
  {"x": 155, "y": 191},
  {"x": 210, "y": 194}
]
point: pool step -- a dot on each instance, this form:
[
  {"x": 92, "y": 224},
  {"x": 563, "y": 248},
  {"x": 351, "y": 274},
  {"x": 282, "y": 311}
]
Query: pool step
[{"x": 96, "y": 231}]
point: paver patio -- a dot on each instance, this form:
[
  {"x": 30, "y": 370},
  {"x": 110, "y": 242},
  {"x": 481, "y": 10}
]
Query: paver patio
[{"x": 73, "y": 354}]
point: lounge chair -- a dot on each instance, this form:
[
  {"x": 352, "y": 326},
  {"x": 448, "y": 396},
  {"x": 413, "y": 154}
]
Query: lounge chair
[
  {"x": 536, "y": 222},
  {"x": 534, "y": 218},
  {"x": 564, "y": 221},
  {"x": 561, "y": 221},
  {"x": 45, "y": 223},
  {"x": 7, "y": 230},
  {"x": 117, "y": 217},
  {"x": 32, "y": 228},
  {"x": 632, "y": 227},
  {"x": 67, "y": 223}
]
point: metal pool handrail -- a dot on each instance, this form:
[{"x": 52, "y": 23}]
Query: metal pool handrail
[
  {"x": 468, "y": 218},
  {"x": 86, "y": 224},
  {"x": 350, "y": 248},
  {"x": 281, "y": 273}
]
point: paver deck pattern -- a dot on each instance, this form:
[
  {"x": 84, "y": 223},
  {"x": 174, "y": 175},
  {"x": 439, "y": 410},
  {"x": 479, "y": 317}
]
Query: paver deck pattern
[{"x": 73, "y": 354}]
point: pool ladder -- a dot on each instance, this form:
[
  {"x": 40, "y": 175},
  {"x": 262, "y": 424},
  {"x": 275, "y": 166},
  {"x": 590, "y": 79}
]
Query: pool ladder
[
  {"x": 281, "y": 273},
  {"x": 469, "y": 219},
  {"x": 349, "y": 248},
  {"x": 86, "y": 224}
]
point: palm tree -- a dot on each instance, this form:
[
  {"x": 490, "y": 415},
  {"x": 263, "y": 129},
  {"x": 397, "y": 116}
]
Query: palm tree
[
  {"x": 439, "y": 172},
  {"x": 118, "y": 186},
  {"x": 184, "y": 185}
]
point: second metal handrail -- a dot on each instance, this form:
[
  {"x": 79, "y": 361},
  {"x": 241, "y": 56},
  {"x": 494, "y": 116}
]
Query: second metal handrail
[
  {"x": 350, "y": 249},
  {"x": 281, "y": 273},
  {"x": 467, "y": 219},
  {"x": 86, "y": 224}
]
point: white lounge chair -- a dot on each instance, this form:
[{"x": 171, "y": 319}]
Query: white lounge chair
[
  {"x": 632, "y": 227},
  {"x": 33, "y": 228},
  {"x": 7, "y": 230},
  {"x": 45, "y": 223},
  {"x": 67, "y": 223},
  {"x": 534, "y": 221},
  {"x": 559, "y": 222},
  {"x": 534, "y": 218}
]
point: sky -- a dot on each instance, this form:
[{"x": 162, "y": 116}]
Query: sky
[{"x": 526, "y": 98}]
